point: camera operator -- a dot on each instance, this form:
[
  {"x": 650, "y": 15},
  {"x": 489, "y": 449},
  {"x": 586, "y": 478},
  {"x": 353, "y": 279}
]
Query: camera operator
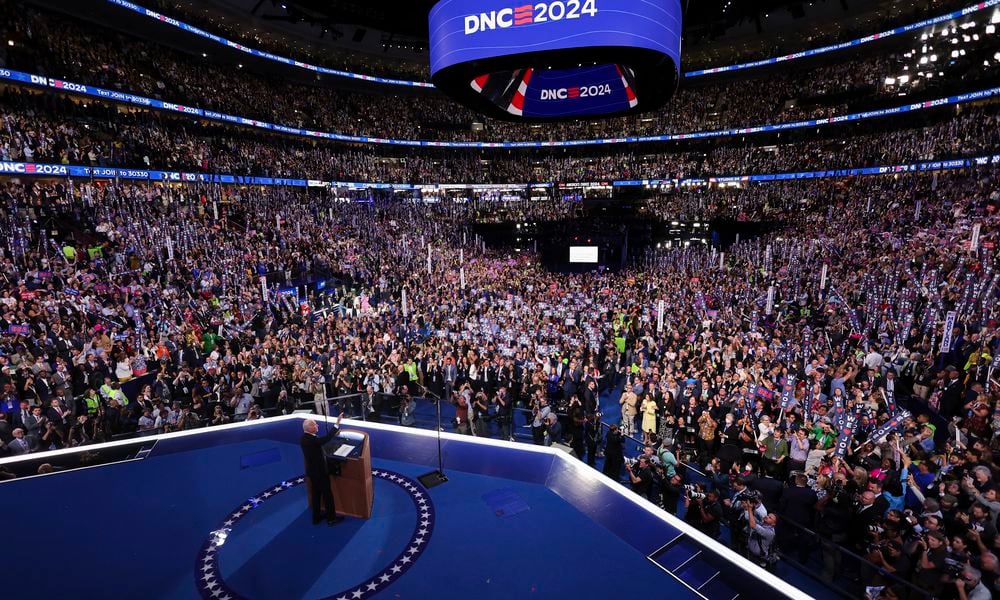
[
  {"x": 760, "y": 542},
  {"x": 480, "y": 414},
  {"x": 736, "y": 516},
  {"x": 931, "y": 551},
  {"x": 970, "y": 585},
  {"x": 704, "y": 512},
  {"x": 671, "y": 489},
  {"x": 889, "y": 557},
  {"x": 643, "y": 478},
  {"x": 540, "y": 413}
]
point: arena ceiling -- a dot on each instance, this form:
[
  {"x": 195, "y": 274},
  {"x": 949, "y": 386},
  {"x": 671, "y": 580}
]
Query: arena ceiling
[{"x": 409, "y": 17}]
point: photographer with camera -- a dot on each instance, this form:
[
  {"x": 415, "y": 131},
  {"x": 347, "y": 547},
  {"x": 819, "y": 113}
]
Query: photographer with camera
[
  {"x": 407, "y": 406},
  {"x": 540, "y": 412},
  {"x": 931, "y": 550},
  {"x": 671, "y": 489},
  {"x": 643, "y": 477},
  {"x": 760, "y": 541},
  {"x": 970, "y": 585},
  {"x": 703, "y": 510},
  {"x": 739, "y": 526},
  {"x": 889, "y": 557}
]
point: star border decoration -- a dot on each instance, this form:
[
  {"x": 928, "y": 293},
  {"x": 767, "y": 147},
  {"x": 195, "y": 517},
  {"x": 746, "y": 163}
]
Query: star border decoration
[{"x": 211, "y": 586}]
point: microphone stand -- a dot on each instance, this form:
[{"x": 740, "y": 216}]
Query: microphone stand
[{"x": 434, "y": 478}]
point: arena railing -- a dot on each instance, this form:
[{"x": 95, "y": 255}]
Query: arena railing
[
  {"x": 30, "y": 79},
  {"x": 969, "y": 10}
]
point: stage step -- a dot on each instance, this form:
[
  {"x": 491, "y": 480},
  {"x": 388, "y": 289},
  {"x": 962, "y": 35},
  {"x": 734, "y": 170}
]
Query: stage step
[{"x": 698, "y": 568}]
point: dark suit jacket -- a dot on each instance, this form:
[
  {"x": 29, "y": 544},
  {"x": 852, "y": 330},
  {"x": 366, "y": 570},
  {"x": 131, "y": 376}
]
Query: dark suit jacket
[
  {"x": 798, "y": 504},
  {"x": 770, "y": 489},
  {"x": 312, "y": 453},
  {"x": 857, "y": 529}
]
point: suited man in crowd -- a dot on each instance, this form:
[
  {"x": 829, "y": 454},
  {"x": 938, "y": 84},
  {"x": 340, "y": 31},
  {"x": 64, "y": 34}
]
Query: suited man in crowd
[
  {"x": 317, "y": 470},
  {"x": 450, "y": 376},
  {"x": 34, "y": 427},
  {"x": 19, "y": 445},
  {"x": 797, "y": 505}
]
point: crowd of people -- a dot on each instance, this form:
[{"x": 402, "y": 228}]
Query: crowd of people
[
  {"x": 122, "y": 297},
  {"x": 696, "y": 52},
  {"x": 49, "y": 128},
  {"x": 58, "y": 47}
]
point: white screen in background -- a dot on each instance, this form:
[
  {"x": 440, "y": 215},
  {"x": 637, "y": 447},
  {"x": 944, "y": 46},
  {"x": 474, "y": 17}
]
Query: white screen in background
[{"x": 583, "y": 254}]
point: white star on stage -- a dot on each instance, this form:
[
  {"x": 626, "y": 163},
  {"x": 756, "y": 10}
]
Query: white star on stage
[
  {"x": 425, "y": 522},
  {"x": 266, "y": 495},
  {"x": 422, "y": 501},
  {"x": 206, "y": 568},
  {"x": 229, "y": 522},
  {"x": 208, "y": 577},
  {"x": 357, "y": 594},
  {"x": 396, "y": 568},
  {"x": 419, "y": 540},
  {"x": 217, "y": 593},
  {"x": 226, "y": 597},
  {"x": 255, "y": 500},
  {"x": 385, "y": 578},
  {"x": 245, "y": 508},
  {"x": 300, "y": 480},
  {"x": 405, "y": 560},
  {"x": 423, "y": 531},
  {"x": 413, "y": 550},
  {"x": 276, "y": 489},
  {"x": 212, "y": 586},
  {"x": 372, "y": 587}
]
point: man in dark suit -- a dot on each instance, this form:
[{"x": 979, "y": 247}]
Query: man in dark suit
[
  {"x": 796, "y": 507},
  {"x": 34, "y": 428},
  {"x": 865, "y": 515},
  {"x": 317, "y": 470},
  {"x": 450, "y": 376}
]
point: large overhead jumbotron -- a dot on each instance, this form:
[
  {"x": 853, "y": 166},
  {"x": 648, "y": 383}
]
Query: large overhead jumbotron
[{"x": 556, "y": 60}]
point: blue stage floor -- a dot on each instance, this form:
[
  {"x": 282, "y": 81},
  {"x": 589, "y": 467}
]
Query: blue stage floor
[{"x": 189, "y": 522}]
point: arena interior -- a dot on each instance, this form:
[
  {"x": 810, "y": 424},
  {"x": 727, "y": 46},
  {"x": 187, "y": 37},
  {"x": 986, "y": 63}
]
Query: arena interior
[{"x": 657, "y": 298}]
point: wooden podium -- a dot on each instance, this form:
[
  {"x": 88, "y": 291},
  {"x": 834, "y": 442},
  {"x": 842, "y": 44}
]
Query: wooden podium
[{"x": 353, "y": 492}]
